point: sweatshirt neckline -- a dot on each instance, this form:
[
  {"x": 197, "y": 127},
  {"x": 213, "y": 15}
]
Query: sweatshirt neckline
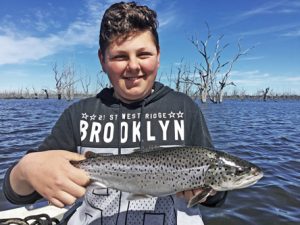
[{"x": 108, "y": 98}]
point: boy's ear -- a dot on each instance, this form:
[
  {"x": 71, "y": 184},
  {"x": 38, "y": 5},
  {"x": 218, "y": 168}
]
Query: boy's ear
[
  {"x": 102, "y": 60},
  {"x": 158, "y": 59}
]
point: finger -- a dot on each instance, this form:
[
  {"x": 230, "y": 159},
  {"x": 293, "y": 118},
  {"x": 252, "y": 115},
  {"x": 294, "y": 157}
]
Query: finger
[
  {"x": 74, "y": 189},
  {"x": 65, "y": 198},
  {"x": 56, "y": 202},
  {"x": 73, "y": 156},
  {"x": 78, "y": 176}
]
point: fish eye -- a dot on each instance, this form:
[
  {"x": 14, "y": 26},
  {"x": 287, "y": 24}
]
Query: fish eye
[{"x": 239, "y": 171}]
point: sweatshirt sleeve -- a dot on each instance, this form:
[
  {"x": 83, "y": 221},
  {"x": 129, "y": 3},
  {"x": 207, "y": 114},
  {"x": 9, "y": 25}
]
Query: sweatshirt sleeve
[
  {"x": 14, "y": 198},
  {"x": 61, "y": 137},
  {"x": 197, "y": 130}
]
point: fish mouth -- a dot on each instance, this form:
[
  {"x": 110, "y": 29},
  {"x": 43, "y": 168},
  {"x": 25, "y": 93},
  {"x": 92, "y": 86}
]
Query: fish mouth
[{"x": 244, "y": 182}]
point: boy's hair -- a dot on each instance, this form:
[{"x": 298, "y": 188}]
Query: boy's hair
[{"x": 122, "y": 19}]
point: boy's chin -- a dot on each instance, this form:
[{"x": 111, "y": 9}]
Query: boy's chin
[{"x": 134, "y": 97}]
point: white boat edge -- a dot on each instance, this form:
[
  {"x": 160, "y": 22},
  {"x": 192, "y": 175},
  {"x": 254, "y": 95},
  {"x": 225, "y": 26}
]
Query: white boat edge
[{"x": 22, "y": 212}]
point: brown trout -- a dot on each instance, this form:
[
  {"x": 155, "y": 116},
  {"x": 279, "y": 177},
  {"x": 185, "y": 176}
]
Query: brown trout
[{"x": 166, "y": 171}]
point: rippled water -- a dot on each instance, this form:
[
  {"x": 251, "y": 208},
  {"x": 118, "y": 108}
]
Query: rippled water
[
  {"x": 23, "y": 125},
  {"x": 266, "y": 133}
]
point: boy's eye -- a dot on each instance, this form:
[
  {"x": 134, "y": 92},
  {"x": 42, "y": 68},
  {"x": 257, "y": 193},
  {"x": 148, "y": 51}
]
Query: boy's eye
[
  {"x": 144, "y": 55},
  {"x": 119, "y": 57}
]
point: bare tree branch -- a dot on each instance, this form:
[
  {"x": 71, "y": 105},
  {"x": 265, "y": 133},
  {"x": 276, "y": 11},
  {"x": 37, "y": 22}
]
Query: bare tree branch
[{"x": 212, "y": 80}]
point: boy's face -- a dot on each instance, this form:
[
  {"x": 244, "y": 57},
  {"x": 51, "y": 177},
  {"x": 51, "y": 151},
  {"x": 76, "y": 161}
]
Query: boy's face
[{"x": 132, "y": 66}]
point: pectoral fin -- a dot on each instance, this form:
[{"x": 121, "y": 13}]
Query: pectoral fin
[
  {"x": 201, "y": 197},
  {"x": 99, "y": 184},
  {"x": 137, "y": 196}
]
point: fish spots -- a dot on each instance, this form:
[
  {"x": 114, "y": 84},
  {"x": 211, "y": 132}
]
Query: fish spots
[{"x": 164, "y": 171}]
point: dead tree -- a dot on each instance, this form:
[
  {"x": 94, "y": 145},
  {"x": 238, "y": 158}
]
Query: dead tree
[
  {"x": 68, "y": 82},
  {"x": 59, "y": 81},
  {"x": 27, "y": 93},
  {"x": 169, "y": 77},
  {"x": 214, "y": 74},
  {"x": 65, "y": 81},
  {"x": 185, "y": 81},
  {"x": 102, "y": 81},
  {"x": 85, "y": 84},
  {"x": 35, "y": 94},
  {"x": 179, "y": 76},
  {"x": 204, "y": 71},
  {"x": 46, "y": 93},
  {"x": 224, "y": 79},
  {"x": 265, "y": 93}
]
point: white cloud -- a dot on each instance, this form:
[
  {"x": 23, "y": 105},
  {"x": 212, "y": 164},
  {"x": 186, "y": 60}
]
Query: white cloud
[
  {"x": 296, "y": 79},
  {"x": 167, "y": 15},
  {"x": 271, "y": 29},
  {"x": 40, "y": 23},
  {"x": 249, "y": 74},
  {"x": 256, "y": 79},
  {"x": 294, "y": 33},
  {"x": 16, "y": 50},
  {"x": 17, "y": 46},
  {"x": 250, "y": 58},
  {"x": 270, "y": 7},
  {"x": 20, "y": 46},
  {"x": 281, "y": 8}
]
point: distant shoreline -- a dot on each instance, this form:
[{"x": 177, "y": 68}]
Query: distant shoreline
[{"x": 82, "y": 96}]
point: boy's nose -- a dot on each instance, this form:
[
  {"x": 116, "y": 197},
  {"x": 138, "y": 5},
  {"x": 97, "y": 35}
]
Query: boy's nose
[{"x": 133, "y": 64}]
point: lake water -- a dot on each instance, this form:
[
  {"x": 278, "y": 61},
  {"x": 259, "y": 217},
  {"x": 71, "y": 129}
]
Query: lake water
[{"x": 265, "y": 133}]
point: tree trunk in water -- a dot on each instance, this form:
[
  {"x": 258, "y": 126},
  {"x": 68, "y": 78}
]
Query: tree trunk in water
[
  {"x": 221, "y": 96},
  {"x": 265, "y": 94},
  {"x": 203, "y": 96}
]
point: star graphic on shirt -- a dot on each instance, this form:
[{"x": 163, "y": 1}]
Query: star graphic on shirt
[
  {"x": 84, "y": 116},
  {"x": 93, "y": 117},
  {"x": 172, "y": 114},
  {"x": 179, "y": 114}
]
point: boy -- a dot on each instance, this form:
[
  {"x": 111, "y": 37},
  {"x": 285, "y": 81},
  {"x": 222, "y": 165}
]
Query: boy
[{"x": 136, "y": 113}]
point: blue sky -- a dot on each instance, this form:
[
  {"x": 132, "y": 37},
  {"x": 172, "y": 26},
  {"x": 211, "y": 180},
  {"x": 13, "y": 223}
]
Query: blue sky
[{"x": 36, "y": 34}]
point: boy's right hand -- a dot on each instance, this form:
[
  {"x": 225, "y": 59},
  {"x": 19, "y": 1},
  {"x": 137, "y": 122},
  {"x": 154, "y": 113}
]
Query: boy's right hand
[{"x": 51, "y": 174}]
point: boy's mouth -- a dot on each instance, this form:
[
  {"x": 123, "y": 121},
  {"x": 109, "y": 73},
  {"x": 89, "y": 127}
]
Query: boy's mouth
[{"x": 134, "y": 78}]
